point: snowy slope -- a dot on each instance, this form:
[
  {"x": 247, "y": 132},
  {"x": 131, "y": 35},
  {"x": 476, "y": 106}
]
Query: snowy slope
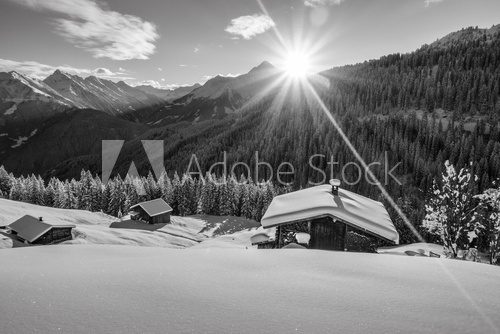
[
  {"x": 101, "y": 94},
  {"x": 99, "y": 228},
  {"x": 25, "y": 98},
  {"x": 124, "y": 289}
]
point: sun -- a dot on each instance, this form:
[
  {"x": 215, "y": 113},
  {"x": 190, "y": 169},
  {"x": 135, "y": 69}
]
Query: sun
[{"x": 297, "y": 64}]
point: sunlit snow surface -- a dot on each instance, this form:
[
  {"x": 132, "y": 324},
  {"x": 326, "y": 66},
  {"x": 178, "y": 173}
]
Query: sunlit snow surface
[
  {"x": 126, "y": 289},
  {"x": 104, "y": 283}
]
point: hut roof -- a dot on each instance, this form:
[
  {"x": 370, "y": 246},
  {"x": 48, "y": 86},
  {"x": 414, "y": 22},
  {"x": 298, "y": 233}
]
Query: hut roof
[
  {"x": 154, "y": 207},
  {"x": 30, "y": 228},
  {"x": 315, "y": 202}
]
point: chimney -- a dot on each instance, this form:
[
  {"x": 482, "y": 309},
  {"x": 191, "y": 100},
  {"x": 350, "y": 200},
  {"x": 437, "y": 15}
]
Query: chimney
[
  {"x": 40, "y": 219},
  {"x": 335, "y": 183}
]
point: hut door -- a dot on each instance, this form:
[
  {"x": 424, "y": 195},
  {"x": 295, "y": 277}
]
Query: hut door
[{"x": 327, "y": 234}]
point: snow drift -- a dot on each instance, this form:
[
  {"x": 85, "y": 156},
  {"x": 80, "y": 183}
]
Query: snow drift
[{"x": 117, "y": 289}]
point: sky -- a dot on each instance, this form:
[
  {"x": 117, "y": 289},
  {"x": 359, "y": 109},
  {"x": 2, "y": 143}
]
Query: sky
[{"x": 169, "y": 43}]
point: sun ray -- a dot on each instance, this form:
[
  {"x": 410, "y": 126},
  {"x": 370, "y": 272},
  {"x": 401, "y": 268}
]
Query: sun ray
[{"x": 264, "y": 91}]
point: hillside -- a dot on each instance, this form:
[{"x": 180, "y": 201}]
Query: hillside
[
  {"x": 75, "y": 134},
  {"x": 101, "y": 94},
  {"x": 95, "y": 228},
  {"x": 116, "y": 289},
  {"x": 219, "y": 98},
  {"x": 168, "y": 94}
]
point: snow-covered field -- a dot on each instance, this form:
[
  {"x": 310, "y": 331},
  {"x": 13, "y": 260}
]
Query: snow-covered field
[
  {"x": 101, "y": 282},
  {"x": 419, "y": 247},
  {"x": 126, "y": 289}
]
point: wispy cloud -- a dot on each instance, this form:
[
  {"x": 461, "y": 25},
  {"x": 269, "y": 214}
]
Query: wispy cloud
[
  {"x": 152, "y": 83},
  {"x": 318, "y": 3},
  {"x": 205, "y": 78},
  {"x": 156, "y": 84},
  {"x": 41, "y": 71},
  {"x": 249, "y": 26},
  {"x": 427, "y": 3},
  {"x": 92, "y": 26},
  {"x": 196, "y": 50}
]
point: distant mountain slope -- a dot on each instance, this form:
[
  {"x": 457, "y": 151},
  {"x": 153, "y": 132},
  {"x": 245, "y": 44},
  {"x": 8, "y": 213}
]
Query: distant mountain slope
[
  {"x": 100, "y": 94},
  {"x": 467, "y": 35},
  {"x": 217, "y": 98},
  {"x": 25, "y": 99}
]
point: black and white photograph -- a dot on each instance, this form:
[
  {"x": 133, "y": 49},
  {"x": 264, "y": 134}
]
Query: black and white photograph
[{"x": 249, "y": 166}]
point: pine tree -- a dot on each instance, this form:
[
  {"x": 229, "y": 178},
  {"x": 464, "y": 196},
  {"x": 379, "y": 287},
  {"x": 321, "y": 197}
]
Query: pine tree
[
  {"x": 490, "y": 220},
  {"x": 5, "y": 182}
]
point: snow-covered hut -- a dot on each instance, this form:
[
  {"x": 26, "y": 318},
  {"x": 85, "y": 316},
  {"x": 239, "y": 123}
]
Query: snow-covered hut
[
  {"x": 325, "y": 212},
  {"x": 156, "y": 211},
  {"x": 33, "y": 230}
]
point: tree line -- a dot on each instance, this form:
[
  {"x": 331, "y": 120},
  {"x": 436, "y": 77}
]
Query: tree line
[{"x": 186, "y": 195}]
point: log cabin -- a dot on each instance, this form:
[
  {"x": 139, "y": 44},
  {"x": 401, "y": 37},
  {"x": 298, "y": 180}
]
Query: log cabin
[
  {"x": 156, "y": 211},
  {"x": 320, "y": 218},
  {"x": 36, "y": 231}
]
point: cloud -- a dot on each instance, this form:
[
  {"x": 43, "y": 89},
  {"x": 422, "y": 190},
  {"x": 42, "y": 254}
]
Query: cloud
[
  {"x": 427, "y": 3},
  {"x": 160, "y": 69},
  {"x": 250, "y": 26},
  {"x": 196, "y": 50},
  {"x": 41, "y": 71},
  {"x": 103, "y": 32},
  {"x": 156, "y": 84},
  {"x": 152, "y": 83},
  {"x": 318, "y": 3},
  {"x": 228, "y": 75}
]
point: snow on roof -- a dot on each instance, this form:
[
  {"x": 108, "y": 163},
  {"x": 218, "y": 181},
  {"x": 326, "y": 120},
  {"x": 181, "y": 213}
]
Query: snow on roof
[
  {"x": 353, "y": 209},
  {"x": 30, "y": 228},
  {"x": 154, "y": 207}
]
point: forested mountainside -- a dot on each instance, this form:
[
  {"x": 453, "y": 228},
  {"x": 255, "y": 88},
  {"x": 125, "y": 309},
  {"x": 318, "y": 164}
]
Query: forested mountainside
[
  {"x": 399, "y": 104},
  {"x": 459, "y": 73}
]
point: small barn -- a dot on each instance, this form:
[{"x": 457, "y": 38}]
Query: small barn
[
  {"x": 320, "y": 218},
  {"x": 156, "y": 211},
  {"x": 36, "y": 231}
]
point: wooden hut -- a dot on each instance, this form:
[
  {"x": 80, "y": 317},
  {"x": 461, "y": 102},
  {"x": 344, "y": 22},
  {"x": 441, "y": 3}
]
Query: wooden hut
[
  {"x": 326, "y": 212},
  {"x": 36, "y": 231},
  {"x": 156, "y": 211}
]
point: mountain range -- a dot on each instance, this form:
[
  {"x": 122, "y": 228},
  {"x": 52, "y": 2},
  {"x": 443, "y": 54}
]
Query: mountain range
[
  {"x": 25, "y": 98},
  {"x": 455, "y": 79}
]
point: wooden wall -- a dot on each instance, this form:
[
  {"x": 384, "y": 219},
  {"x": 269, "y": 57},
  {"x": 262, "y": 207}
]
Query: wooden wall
[
  {"x": 164, "y": 218},
  {"x": 54, "y": 235},
  {"x": 325, "y": 233},
  {"x": 160, "y": 219}
]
